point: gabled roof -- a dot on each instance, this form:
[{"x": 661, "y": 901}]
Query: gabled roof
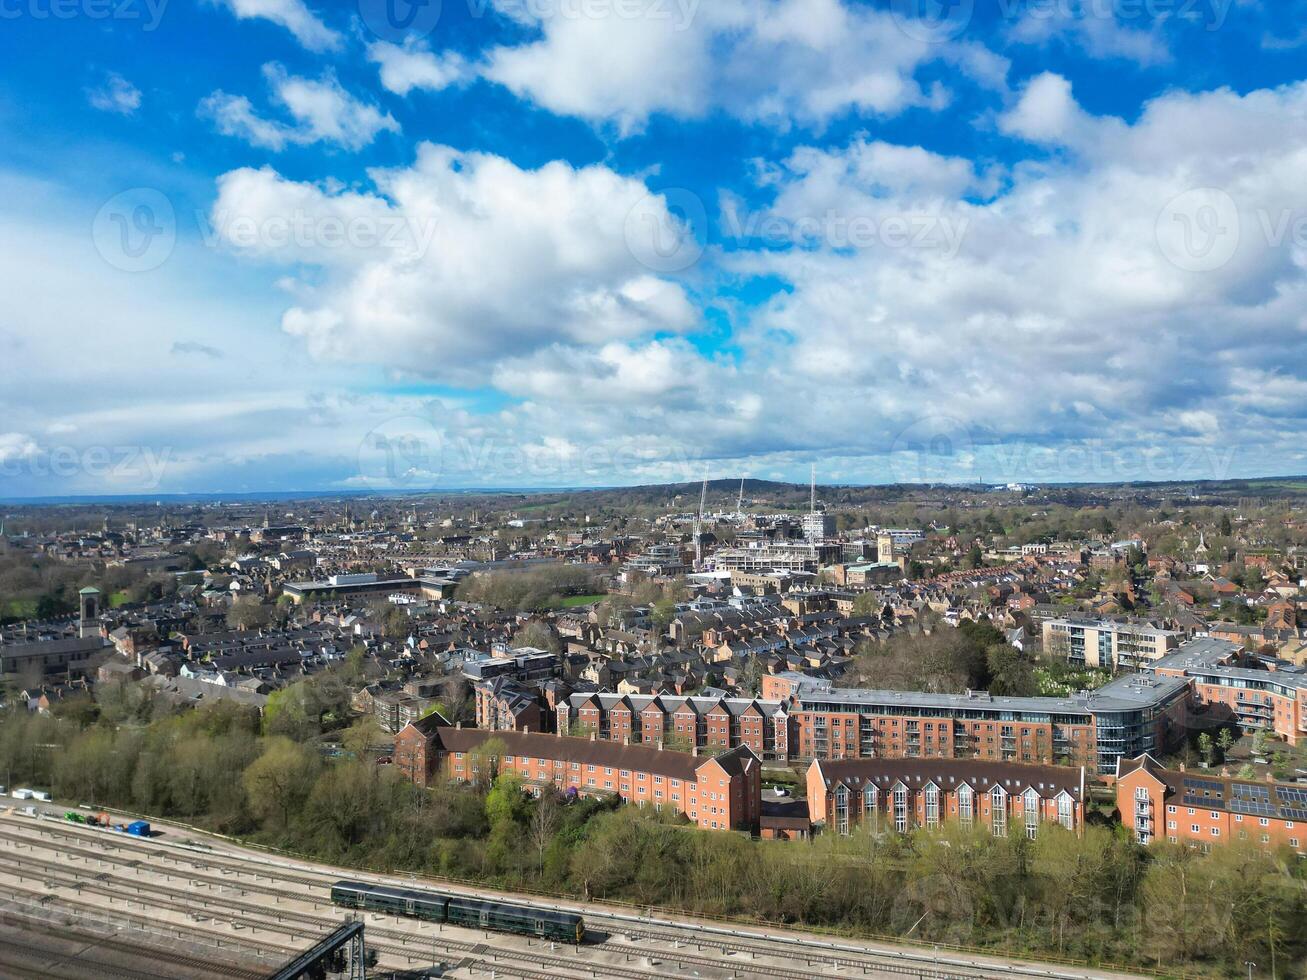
[
  {"x": 615, "y": 755},
  {"x": 949, "y": 774}
]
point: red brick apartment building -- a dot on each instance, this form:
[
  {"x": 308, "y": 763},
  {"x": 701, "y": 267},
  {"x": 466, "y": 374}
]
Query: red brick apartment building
[
  {"x": 689, "y": 722},
  {"x": 721, "y": 792},
  {"x": 1200, "y": 809},
  {"x": 1131, "y": 714},
  {"x": 1273, "y": 700},
  {"x": 899, "y": 794},
  {"x": 505, "y": 705}
]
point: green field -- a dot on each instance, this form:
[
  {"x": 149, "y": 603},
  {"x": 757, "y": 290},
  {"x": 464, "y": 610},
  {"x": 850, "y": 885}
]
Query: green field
[{"x": 581, "y": 600}]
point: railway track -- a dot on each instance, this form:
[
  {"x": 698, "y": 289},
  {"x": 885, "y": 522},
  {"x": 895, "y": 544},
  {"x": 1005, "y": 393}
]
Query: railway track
[
  {"x": 87, "y": 938},
  {"x": 233, "y": 873},
  {"x": 258, "y": 915}
]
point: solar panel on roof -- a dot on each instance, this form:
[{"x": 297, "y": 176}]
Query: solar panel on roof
[
  {"x": 1290, "y": 813},
  {"x": 1259, "y": 808}
]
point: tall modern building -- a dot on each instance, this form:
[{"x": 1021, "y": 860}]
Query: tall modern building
[
  {"x": 818, "y": 526},
  {"x": 1108, "y": 643}
]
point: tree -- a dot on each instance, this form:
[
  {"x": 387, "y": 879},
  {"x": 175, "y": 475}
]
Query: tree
[
  {"x": 662, "y": 614},
  {"x": 1225, "y": 742},
  {"x": 279, "y": 781},
  {"x": 1206, "y": 748},
  {"x": 868, "y": 604},
  {"x": 1011, "y": 674},
  {"x": 537, "y": 634},
  {"x": 483, "y": 761},
  {"x": 505, "y": 803},
  {"x": 751, "y": 675},
  {"x": 248, "y": 613},
  {"x": 546, "y": 818}
]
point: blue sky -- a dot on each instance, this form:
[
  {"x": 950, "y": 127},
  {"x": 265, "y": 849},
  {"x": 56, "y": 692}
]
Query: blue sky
[{"x": 281, "y": 244}]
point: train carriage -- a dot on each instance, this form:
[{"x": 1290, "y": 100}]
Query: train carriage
[{"x": 461, "y": 910}]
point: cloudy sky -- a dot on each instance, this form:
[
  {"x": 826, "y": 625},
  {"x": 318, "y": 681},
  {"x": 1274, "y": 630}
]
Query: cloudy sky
[{"x": 286, "y": 244}]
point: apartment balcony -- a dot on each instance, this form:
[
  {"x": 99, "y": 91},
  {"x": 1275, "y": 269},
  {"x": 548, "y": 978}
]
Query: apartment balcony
[{"x": 1255, "y": 710}]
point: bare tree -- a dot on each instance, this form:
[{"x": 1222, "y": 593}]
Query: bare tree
[{"x": 545, "y": 822}]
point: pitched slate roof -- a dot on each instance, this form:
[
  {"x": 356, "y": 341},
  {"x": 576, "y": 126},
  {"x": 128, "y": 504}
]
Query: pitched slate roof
[
  {"x": 948, "y": 774},
  {"x": 594, "y": 752}
]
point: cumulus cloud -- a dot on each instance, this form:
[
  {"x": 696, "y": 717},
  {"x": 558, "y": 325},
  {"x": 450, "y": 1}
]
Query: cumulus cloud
[
  {"x": 457, "y": 260},
  {"x": 775, "y": 61},
  {"x": 294, "y": 16},
  {"x": 669, "y": 371},
  {"x": 321, "y": 110},
  {"x": 116, "y": 94},
  {"x": 1047, "y": 112},
  {"x": 1128, "y": 295},
  {"x": 412, "y": 65}
]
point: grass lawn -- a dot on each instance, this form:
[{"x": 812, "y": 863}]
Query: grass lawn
[
  {"x": 117, "y": 599},
  {"x": 21, "y": 608},
  {"x": 581, "y": 600}
]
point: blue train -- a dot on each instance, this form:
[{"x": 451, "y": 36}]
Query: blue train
[{"x": 461, "y": 910}]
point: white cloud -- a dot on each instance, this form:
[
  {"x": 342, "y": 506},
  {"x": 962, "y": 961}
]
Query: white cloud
[
  {"x": 457, "y": 261},
  {"x": 1095, "y": 29},
  {"x": 669, "y": 371},
  {"x": 323, "y": 112},
  {"x": 294, "y": 15},
  {"x": 16, "y": 446},
  {"x": 1066, "y": 316},
  {"x": 776, "y": 61},
  {"x": 1047, "y": 112},
  {"x": 413, "y": 65},
  {"x": 115, "y": 95}
]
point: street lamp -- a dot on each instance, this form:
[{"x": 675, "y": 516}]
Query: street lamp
[{"x": 1250, "y": 964}]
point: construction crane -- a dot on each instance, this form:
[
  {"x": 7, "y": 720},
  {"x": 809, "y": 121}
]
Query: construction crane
[
  {"x": 698, "y": 527},
  {"x": 812, "y": 504},
  {"x": 739, "y": 503}
]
